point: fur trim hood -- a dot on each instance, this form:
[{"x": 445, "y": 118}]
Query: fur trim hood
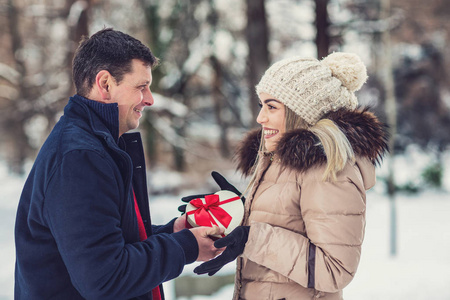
[{"x": 298, "y": 148}]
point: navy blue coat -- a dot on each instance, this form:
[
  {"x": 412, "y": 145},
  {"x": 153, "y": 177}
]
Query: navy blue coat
[{"x": 76, "y": 230}]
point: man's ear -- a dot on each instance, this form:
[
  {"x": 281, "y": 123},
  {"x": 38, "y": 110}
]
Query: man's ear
[{"x": 103, "y": 82}]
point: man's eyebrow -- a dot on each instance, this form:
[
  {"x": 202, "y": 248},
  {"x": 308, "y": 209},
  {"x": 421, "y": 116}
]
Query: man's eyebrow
[{"x": 144, "y": 83}]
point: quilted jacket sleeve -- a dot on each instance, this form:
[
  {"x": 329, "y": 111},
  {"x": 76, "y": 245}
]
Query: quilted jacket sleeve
[
  {"x": 327, "y": 257},
  {"x": 334, "y": 215}
]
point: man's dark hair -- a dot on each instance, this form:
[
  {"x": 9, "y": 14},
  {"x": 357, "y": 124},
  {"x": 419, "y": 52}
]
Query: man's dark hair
[{"x": 109, "y": 50}]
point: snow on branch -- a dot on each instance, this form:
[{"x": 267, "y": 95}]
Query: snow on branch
[
  {"x": 378, "y": 26},
  {"x": 169, "y": 105},
  {"x": 164, "y": 127},
  {"x": 75, "y": 12},
  {"x": 200, "y": 50},
  {"x": 8, "y": 92},
  {"x": 8, "y": 73}
]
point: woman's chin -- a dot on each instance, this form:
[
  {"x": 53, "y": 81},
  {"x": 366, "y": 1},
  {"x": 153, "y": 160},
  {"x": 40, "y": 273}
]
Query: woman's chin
[{"x": 270, "y": 147}]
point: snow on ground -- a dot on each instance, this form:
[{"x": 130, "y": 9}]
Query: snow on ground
[{"x": 420, "y": 270}]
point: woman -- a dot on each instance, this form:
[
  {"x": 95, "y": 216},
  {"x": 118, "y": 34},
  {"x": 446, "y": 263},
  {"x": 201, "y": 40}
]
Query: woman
[{"x": 311, "y": 164}]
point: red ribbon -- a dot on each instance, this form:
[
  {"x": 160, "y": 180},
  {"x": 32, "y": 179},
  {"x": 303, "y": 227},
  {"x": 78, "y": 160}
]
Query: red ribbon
[{"x": 204, "y": 211}]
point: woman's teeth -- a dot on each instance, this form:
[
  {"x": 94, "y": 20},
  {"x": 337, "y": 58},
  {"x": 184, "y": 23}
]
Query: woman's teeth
[{"x": 270, "y": 132}]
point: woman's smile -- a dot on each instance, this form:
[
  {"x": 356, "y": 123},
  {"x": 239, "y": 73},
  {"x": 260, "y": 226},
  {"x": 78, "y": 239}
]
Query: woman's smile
[{"x": 268, "y": 132}]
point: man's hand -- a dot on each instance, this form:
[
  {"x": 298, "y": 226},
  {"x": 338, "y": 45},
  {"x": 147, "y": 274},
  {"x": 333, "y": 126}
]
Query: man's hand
[
  {"x": 206, "y": 248},
  {"x": 235, "y": 243},
  {"x": 180, "y": 223}
]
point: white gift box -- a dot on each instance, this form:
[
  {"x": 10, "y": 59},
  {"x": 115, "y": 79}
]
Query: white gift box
[{"x": 224, "y": 209}]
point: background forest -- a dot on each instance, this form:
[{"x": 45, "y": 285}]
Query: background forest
[{"x": 212, "y": 54}]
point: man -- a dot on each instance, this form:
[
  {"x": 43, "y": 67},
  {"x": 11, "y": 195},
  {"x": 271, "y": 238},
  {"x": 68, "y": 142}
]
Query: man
[{"x": 83, "y": 226}]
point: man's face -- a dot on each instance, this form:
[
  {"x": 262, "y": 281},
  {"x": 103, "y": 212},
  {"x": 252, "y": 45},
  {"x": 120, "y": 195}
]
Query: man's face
[{"x": 132, "y": 95}]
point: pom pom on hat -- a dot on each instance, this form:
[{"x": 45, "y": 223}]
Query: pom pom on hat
[
  {"x": 312, "y": 88},
  {"x": 348, "y": 68}
]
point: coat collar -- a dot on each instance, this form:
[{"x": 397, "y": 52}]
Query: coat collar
[
  {"x": 298, "y": 148},
  {"x": 102, "y": 117}
]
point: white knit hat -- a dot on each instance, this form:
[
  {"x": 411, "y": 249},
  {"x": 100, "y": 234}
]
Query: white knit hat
[{"x": 312, "y": 88}]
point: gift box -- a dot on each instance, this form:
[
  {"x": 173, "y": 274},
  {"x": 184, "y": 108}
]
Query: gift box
[{"x": 224, "y": 209}]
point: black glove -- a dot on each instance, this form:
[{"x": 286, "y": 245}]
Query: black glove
[
  {"x": 235, "y": 243},
  {"x": 223, "y": 184}
]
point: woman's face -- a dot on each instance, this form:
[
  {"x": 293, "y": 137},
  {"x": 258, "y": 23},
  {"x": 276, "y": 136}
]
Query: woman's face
[{"x": 272, "y": 118}]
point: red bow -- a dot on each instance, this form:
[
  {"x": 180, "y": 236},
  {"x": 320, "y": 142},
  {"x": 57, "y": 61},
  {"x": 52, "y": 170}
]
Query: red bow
[{"x": 204, "y": 218}]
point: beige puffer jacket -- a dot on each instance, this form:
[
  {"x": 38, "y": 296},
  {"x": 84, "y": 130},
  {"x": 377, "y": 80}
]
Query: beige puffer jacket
[{"x": 306, "y": 234}]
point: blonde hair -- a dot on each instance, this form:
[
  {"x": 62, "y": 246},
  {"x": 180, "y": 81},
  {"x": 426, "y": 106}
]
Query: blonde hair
[{"x": 336, "y": 146}]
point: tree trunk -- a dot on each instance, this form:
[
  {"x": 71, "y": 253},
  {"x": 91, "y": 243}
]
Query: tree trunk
[
  {"x": 391, "y": 113},
  {"x": 153, "y": 28},
  {"x": 219, "y": 104},
  {"x": 258, "y": 45},
  {"x": 322, "y": 24},
  {"x": 17, "y": 138},
  {"x": 77, "y": 29}
]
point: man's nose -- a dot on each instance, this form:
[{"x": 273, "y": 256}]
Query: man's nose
[{"x": 148, "y": 98}]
